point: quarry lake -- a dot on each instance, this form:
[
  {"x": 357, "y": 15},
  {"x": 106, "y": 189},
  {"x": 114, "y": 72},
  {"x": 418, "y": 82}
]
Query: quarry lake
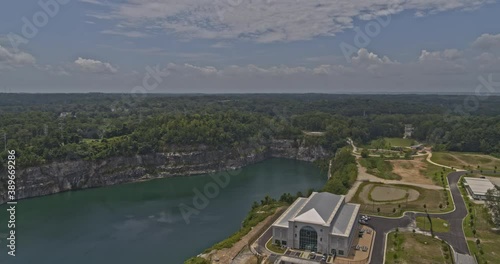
[{"x": 142, "y": 222}]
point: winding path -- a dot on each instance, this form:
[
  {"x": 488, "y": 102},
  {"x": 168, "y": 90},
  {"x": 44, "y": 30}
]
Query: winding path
[
  {"x": 383, "y": 225},
  {"x": 455, "y": 238}
]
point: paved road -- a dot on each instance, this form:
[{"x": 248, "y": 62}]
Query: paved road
[
  {"x": 382, "y": 226},
  {"x": 262, "y": 240},
  {"x": 455, "y": 237}
]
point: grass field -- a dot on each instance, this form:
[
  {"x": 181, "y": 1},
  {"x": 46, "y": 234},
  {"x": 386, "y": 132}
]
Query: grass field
[
  {"x": 400, "y": 142},
  {"x": 438, "y": 224},
  {"x": 379, "y": 167},
  {"x": 418, "y": 170},
  {"x": 434, "y": 172},
  {"x": 416, "y": 249},
  {"x": 466, "y": 160},
  {"x": 387, "y": 143},
  {"x": 488, "y": 249},
  {"x": 274, "y": 248},
  {"x": 432, "y": 199}
]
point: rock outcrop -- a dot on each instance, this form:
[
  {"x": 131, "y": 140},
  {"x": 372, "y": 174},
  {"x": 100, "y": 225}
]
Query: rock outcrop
[{"x": 80, "y": 174}]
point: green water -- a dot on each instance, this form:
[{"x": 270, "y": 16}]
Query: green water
[{"x": 142, "y": 222}]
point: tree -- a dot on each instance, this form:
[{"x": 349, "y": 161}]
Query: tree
[
  {"x": 408, "y": 154},
  {"x": 379, "y": 144},
  {"x": 493, "y": 205},
  {"x": 365, "y": 153}
]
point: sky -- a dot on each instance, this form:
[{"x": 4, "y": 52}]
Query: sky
[{"x": 250, "y": 46}]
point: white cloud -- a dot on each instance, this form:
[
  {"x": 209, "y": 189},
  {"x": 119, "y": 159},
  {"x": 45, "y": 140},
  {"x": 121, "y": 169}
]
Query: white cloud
[
  {"x": 189, "y": 69},
  {"x": 445, "y": 55},
  {"x": 126, "y": 33},
  {"x": 364, "y": 57},
  {"x": 487, "y": 42},
  {"x": 488, "y": 62},
  {"x": 263, "y": 20},
  {"x": 95, "y": 2},
  {"x": 10, "y": 59},
  {"x": 95, "y": 66}
]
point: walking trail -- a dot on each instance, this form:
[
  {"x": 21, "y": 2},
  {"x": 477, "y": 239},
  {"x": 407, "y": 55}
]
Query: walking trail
[{"x": 364, "y": 176}]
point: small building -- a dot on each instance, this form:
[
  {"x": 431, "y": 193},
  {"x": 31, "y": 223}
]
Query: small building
[
  {"x": 322, "y": 223},
  {"x": 417, "y": 147},
  {"x": 66, "y": 114},
  {"x": 477, "y": 187},
  {"x": 408, "y": 131}
]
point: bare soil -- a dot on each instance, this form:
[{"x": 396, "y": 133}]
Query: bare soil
[
  {"x": 386, "y": 194},
  {"x": 412, "y": 170}
]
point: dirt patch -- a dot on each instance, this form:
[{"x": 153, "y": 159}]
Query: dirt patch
[
  {"x": 386, "y": 194},
  {"x": 411, "y": 170},
  {"x": 417, "y": 198}
]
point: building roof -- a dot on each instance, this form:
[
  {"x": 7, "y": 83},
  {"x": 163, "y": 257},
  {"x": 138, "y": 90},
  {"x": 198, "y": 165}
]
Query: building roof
[
  {"x": 324, "y": 209},
  {"x": 325, "y": 204},
  {"x": 479, "y": 186},
  {"x": 345, "y": 220},
  {"x": 282, "y": 221},
  {"x": 312, "y": 216}
]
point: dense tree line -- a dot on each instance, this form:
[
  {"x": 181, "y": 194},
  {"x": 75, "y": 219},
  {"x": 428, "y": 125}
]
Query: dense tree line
[
  {"x": 493, "y": 205},
  {"x": 343, "y": 172},
  {"x": 45, "y": 128}
]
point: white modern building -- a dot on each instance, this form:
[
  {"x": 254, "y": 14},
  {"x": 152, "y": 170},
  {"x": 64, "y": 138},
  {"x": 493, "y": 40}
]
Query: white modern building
[
  {"x": 477, "y": 187},
  {"x": 323, "y": 223}
]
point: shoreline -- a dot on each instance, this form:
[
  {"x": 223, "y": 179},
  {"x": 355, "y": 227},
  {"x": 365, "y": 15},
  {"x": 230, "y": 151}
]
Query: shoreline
[{"x": 134, "y": 174}]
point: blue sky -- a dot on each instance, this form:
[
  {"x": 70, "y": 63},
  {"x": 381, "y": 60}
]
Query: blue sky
[{"x": 249, "y": 45}]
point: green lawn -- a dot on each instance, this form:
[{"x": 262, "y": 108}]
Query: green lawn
[
  {"x": 466, "y": 160},
  {"x": 431, "y": 198},
  {"x": 379, "y": 167},
  {"x": 416, "y": 249},
  {"x": 400, "y": 142},
  {"x": 274, "y": 248},
  {"x": 487, "y": 250},
  {"x": 438, "y": 224},
  {"x": 387, "y": 143},
  {"x": 434, "y": 172}
]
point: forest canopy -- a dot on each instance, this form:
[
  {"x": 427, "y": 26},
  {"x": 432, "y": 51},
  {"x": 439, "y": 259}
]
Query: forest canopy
[{"x": 51, "y": 127}]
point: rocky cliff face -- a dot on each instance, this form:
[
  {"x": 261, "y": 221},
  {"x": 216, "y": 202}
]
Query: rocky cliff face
[{"x": 80, "y": 174}]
